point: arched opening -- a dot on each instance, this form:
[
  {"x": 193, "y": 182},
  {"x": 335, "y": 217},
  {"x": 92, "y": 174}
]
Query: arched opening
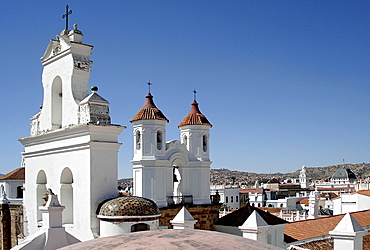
[
  {"x": 205, "y": 143},
  {"x": 40, "y": 190},
  {"x": 140, "y": 227},
  {"x": 66, "y": 195},
  {"x": 138, "y": 140},
  {"x": 19, "y": 192},
  {"x": 176, "y": 185},
  {"x": 2, "y": 189},
  {"x": 159, "y": 140},
  {"x": 185, "y": 141},
  {"x": 56, "y": 103}
]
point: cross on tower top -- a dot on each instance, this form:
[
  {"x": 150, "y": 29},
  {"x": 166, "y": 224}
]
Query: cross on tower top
[
  {"x": 195, "y": 95},
  {"x": 68, "y": 12},
  {"x": 149, "y": 86}
]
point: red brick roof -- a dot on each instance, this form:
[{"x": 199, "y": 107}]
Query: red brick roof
[
  {"x": 307, "y": 229},
  {"x": 364, "y": 192},
  {"x": 149, "y": 111},
  {"x": 195, "y": 117},
  {"x": 17, "y": 174},
  {"x": 251, "y": 190},
  {"x": 328, "y": 244}
]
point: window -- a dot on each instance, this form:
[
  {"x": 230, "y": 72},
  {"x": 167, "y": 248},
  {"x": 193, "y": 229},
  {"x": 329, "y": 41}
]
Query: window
[
  {"x": 236, "y": 198},
  {"x": 138, "y": 140},
  {"x": 205, "y": 143},
  {"x": 19, "y": 192},
  {"x": 159, "y": 140},
  {"x": 227, "y": 199},
  {"x": 185, "y": 140},
  {"x": 232, "y": 199}
]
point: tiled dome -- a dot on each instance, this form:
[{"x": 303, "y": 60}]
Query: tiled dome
[
  {"x": 195, "y": 117},
  {"x": 149, "y": 111},
  {"x": 129, "y": 206}
]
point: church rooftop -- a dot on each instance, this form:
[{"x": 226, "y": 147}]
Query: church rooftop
[
  {"x": 149, "y": 111},
  {"x": 195, "y": 117}
]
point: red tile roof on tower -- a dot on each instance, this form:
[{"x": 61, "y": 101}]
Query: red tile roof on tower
[
  {"x": 195, "y": 117},
  {"x": 149, "y": 111},
  {"x": 17, "y": 174}
]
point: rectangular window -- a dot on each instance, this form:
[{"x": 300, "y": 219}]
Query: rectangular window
[
  {"x": 227, "y": 199},
  {"x": 236, "y": 198},
  {"x": 232, "y": 200}
]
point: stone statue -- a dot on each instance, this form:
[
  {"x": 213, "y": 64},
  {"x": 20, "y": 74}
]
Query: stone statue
[{"x": 45, "y": 196}]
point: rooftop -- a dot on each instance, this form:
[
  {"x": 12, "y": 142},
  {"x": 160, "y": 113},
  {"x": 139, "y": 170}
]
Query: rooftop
[
  {"x": 307, "y": 229},
  {"x": 17, "y": 174}
]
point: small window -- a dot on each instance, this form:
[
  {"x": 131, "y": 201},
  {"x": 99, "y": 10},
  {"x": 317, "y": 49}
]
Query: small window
[
  {"x": 236, "y": 198},
  {"x": 205, "y": 143},
  {"x": 232, "y": 199},
  {"x": 138, "y": 140},
  {"x": 19, "y": 192},
  {"x": 227, "y": 199},
  {"x": 185, "y": 140},
  {"x": 159, "y": 140}
]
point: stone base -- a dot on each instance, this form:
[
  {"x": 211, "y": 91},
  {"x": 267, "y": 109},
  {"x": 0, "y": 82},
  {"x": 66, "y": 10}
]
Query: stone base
[{"x": 205, "y": 214}]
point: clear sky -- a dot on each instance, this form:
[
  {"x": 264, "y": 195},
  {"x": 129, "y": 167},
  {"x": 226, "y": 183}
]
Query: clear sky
[{"x": 284, "y": 83}]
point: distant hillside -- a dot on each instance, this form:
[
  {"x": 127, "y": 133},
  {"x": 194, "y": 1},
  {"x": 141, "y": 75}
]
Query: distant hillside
[
  {"x": 361, "y": 170},
  {"x": 226, "y": 176}
]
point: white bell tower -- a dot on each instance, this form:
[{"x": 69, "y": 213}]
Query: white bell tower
[
  {"x": 149, "y": 169},
  {"x": 72, "y": 147}
]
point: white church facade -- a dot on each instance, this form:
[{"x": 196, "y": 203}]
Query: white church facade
[{"x": 72, "y": 152}]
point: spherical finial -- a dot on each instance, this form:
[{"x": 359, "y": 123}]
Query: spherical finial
[
  {"x": 75, "y": 26},
  {"x": 40, "y": 107},
  {"x": 94, "y": 89}
]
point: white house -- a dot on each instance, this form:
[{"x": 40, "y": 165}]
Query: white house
[
  {"x": 12, "y": 184},
  {"x": 229, "y": 195},
  {"x": 351, "y": 202}
]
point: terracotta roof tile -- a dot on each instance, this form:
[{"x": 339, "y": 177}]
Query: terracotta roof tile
[
  {"x": 328, "y": 244},
  {"x": 251, "y": 190},
  {"x": 306, "y": 229},
  {"x": 149, "y": 111},
  {"x": 364, "y": 192},
  {"x": 17, "y": 174},
  {"x": 195, "y": 117}
]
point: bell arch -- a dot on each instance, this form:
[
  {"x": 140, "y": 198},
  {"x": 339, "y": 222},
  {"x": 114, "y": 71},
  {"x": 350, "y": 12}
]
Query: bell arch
[
  {"x": 41, "y": 182},
  {"x": 56, "y": 103},
  {"x": 66, "y": 195}
]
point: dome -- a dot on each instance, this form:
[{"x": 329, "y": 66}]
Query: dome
[
  {"x": 173, "y": 239},
  {"x": 195, "y": 117},
  {"x": 149, "y": 111},
  {"x": 344, "y": 173},
  {"x": 130, "y": 206}
]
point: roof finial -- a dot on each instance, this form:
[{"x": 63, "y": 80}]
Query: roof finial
[
  {"x": 195, "y": 95},
  {"x": 149, "y": 85},
  {"x": 68, "y": 12}
]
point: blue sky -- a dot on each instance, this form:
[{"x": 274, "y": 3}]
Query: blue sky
[{"x": 284, "y": 83}]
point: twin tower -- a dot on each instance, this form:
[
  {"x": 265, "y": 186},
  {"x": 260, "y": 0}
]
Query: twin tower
[{"x": 72, "y": 147}]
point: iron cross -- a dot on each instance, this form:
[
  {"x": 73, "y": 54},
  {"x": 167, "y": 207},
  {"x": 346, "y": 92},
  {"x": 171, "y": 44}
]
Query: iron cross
[
  {"x": 149, "y": 85},
  {"x": 68, "y": 12}
]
